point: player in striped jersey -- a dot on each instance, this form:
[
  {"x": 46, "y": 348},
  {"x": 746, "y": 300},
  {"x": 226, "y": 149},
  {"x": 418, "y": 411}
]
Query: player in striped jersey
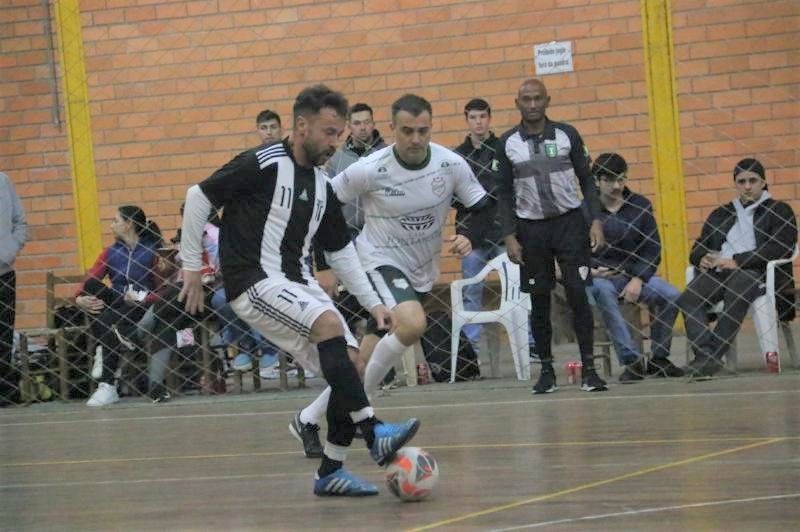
[{"x": 277, "y": 198}]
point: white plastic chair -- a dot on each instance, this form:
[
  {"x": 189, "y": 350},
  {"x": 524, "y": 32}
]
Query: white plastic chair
[
  {"x": 512, "y": 314},
  {"x": 764, "y": 314}
]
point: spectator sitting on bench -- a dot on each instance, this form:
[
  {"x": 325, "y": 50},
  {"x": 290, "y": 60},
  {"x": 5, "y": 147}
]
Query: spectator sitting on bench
[
  {"x": 116, "y": 309},
  {"x": 731, "y": 254},
  {"x": 625, "y": 270},
  {"x": 169, "y": 317}
]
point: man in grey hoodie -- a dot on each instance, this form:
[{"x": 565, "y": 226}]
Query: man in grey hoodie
[
  {"x": 363, "y": 140},
  {"x": 13, "y": 233}
]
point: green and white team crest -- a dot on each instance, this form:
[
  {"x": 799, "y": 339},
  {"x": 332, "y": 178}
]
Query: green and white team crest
[{"x": 551, "y": 149}]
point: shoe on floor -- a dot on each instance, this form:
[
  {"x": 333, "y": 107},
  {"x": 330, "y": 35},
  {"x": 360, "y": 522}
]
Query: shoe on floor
[
  {"x": 390, "y": 437},
  {"x": 270, "y": 372},
  {"x": 663, "y": 367},
  {"x": 308, "y": 373},
  {"x": 159, "y": 394},
  {"x": 703, "y": 368},
  {"x": 634, "y": 372},
  {"x": 591, "y": 381},
  {"x": 342, "y": 483},
  {"x": 267, "y": 360},
  {"x": 308, "y": 435},
  {"x": 242, "y": 362},
  {"x": 104, "y": 395},
  {"x": 546, "y": 382}
]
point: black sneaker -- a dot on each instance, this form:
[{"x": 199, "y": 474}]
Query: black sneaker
[
  {"x": 591, "y": 381},
  {"x": 162, "y": 398},
  {"x": 703, "y": 368},
  {"x": 546, "y": 382},
  {"x": 159, "y": 394},
  {"x": 663, "y": 367},
  {"x": 634, "y": 372},
  {"x": 308, "y": 435}
]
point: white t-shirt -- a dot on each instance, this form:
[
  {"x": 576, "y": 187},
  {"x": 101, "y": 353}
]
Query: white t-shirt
[{"x": 405, "y": 209}]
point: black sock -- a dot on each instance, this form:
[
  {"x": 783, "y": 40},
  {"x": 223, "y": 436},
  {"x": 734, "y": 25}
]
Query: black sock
[
  {"x": 328, "y": 466},
  {"x": 368, "y": 430}
]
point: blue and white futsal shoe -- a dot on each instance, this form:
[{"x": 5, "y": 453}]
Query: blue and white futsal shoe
[
  {"x": 390, "y": 437},
  {"x": 342, "y": 483}
]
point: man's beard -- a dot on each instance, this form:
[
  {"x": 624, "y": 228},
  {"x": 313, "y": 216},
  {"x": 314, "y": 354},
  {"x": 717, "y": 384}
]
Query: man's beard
[{"x": 316, "y": 156}]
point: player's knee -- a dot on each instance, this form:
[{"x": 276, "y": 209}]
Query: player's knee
[
  {"x": 326, "y": 326},
  {"x": 333, "y": 357},
  {"x": 410, "y": 322}
]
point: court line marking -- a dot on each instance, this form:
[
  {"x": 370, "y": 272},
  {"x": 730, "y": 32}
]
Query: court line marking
[
  {"x": 583, "y": 487},
  {"x": 453, "y": 447},
  {"x": 649, "y": 510},
  {"x": 142, "y": 481},
  {"x": 594, "y": 397}
]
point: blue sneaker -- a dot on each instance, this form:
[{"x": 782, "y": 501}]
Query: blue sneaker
[
  {"x": 242, "y": 362},
  {"x": 390, "y": 437},
  {"x": 267, "y": 360},
  {"x": 342, "y": 483}
]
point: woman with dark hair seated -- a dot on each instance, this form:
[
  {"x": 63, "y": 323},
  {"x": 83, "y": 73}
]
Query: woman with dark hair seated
[{"x": 128, "y": 263}]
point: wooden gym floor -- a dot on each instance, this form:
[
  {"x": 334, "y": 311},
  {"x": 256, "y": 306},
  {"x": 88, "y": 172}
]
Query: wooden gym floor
[{"x": 660, "y": 455}]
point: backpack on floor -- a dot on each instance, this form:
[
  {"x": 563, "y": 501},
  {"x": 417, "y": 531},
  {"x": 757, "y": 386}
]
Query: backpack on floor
[{"x": 436, "y": 346}]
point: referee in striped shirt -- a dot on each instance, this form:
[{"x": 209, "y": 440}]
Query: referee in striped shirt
[{"x": 544, "y": 177}]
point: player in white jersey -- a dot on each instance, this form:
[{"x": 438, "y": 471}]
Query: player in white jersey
[
  {"x": 277, "y": 198},
  {"x": 405, "y": 190}
]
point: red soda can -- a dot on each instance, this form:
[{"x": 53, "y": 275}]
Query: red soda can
[
  {"x": 573, "y": 372},
  {"x": 422, "y": 374},
  {"x": 773, "y": 362}
]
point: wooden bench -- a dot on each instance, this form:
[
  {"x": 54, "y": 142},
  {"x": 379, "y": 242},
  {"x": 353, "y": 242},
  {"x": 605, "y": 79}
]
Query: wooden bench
[{"x": 61, "y": 339}]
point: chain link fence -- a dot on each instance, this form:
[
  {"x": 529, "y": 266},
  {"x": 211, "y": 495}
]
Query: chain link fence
[{"x": 175, "y": 107}]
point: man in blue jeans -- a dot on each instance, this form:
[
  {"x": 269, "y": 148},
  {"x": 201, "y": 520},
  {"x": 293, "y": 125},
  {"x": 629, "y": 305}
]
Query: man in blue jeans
[
  {"x": 625, "y": 270},
  {"x": 480, "y": 149}
]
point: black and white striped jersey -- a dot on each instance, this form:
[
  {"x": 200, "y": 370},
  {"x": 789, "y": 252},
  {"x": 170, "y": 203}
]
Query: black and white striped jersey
[{"x": 273, "y": 210}]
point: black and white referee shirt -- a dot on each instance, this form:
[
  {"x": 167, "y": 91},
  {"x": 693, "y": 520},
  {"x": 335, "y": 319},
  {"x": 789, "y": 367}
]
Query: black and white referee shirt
[
  {"x": 273, "y": 209},
  {"x": 548, "y": 174}
]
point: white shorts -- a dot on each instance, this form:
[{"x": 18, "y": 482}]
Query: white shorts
[{"x": 284, "y": 311}]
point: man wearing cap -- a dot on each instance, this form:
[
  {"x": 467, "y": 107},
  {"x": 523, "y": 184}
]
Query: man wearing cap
[
  {"x": 625, "y": 270},
  {"x": 731, "y": 255}
]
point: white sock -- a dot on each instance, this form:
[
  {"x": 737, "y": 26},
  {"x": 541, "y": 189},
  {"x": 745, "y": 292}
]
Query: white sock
[
  {"x": 385, "y": 354},
  {"x": 314, "y": 412},
  {"x": 335, "y": 452}
]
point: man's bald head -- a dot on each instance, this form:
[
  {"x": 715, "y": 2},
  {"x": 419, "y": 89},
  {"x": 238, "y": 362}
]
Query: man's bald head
[{"x": 532, "y": 83}]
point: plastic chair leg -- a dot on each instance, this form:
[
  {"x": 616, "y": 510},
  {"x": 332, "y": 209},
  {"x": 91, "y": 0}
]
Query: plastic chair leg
[
  {"x": 455, "y": 336},
  {"x": 766, "y": 325}
]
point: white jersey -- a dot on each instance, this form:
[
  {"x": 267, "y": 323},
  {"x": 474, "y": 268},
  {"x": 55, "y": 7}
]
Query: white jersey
[{"x": 405, "y": 209}]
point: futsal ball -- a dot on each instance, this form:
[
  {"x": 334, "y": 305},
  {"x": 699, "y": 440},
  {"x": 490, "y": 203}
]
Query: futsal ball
[{"x": 413, "y": 474}]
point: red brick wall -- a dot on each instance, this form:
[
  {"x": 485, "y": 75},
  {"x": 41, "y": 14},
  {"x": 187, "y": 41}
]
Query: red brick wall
[
  {"x": 33, "y": 152},
  {"x": 175, "y": 87},
  {"x": 738, "y": 70}
]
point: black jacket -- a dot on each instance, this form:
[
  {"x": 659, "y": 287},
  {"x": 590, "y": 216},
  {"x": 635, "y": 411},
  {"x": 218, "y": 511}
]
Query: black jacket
[
  {"x": 633, "y": 246},
  {"x": 485, "y": 166},
  {"x": 776, "y": 236}
]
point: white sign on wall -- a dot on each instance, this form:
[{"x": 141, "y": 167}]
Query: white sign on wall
[{"x": 553, "y": 57}]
